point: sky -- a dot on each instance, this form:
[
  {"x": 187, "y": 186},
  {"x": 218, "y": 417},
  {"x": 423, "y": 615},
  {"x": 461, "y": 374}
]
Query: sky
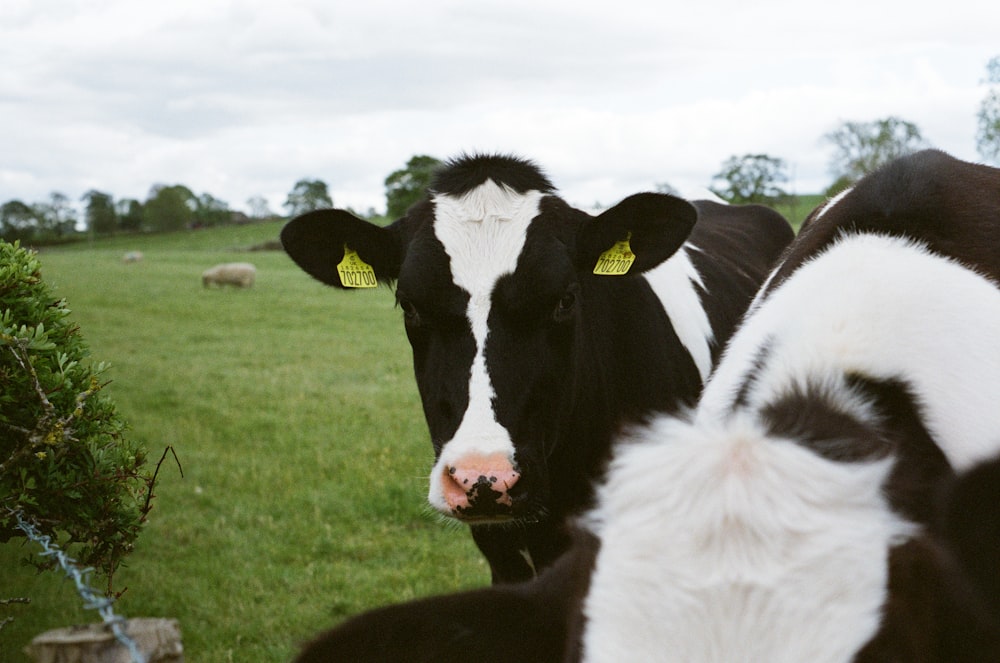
[{"x": 244, "y": 98}]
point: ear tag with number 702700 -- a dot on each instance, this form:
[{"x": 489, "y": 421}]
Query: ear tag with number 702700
[
  {"x": 355, "y": 272},
  {"x": 617, "y": 260}
]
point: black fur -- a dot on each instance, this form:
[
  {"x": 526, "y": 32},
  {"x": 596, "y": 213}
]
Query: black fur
[
  {"x": 465, "y": 173},
  {"x": 530, "y": 622},
  {"x": 812, "y": 417},
  {"x": 944, "y": 586}
]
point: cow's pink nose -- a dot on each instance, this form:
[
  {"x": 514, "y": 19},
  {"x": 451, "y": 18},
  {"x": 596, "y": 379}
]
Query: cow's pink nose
[{"x": 479, "y": 485}]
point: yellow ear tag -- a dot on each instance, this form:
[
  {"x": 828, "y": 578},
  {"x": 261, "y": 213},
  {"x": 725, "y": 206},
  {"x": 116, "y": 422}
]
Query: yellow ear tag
[
  {"x": 355, "y": 272},
  {"x": 617, "y": 260}
]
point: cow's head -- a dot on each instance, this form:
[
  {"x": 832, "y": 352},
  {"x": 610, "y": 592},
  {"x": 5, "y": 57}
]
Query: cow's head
[{"x": 491, "y": 274}]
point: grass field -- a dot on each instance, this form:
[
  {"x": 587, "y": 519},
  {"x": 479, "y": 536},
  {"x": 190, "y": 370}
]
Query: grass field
[{"x": 294, "y": 413}]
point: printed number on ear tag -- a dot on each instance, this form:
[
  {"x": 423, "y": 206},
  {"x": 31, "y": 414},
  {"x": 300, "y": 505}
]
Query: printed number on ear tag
[
  {"x": 355, "y": 272},
  {"x": 617, "y": 260}
]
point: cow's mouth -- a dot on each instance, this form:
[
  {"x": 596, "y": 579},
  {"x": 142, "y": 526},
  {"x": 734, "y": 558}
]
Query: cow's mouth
[{"x": 487, "y": 520}]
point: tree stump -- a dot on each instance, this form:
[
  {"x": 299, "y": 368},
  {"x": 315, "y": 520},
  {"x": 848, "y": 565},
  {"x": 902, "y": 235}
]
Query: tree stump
[{"x": 158, "y": 639}]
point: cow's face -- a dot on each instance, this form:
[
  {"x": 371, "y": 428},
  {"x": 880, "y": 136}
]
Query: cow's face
[
  {"x": 490, "y": 295},
  {"x": 492, "y": 283}
]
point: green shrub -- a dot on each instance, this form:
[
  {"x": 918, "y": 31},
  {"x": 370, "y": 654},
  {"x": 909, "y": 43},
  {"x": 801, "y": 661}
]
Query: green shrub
[{"x": 64, "y": 461}]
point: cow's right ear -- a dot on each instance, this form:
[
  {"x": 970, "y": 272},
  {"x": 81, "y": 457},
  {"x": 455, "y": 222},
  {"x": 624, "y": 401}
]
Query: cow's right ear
[
  {"x": 319, "y": 242},
  {"x": 635, "y": 235}
]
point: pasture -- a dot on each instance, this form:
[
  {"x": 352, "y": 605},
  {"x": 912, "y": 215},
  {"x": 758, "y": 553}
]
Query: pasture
[{"x": 293, "y": 411}]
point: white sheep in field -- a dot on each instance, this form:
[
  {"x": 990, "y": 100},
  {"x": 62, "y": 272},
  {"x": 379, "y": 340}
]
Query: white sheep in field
[
  {"x": 132, "y": 256},
  {"x": 239, "y": 274}
]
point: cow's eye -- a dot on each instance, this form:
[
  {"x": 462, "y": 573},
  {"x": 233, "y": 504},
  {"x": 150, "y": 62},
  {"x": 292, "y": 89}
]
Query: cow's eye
[
  {"x": 567, "y": 304},
  {"x": 411, "y": 317}
]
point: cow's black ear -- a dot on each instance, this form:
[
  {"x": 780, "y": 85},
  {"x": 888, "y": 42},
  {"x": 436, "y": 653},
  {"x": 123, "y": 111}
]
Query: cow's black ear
[
  {"x": 635, "y": 235},
  {"x": 316, "y": 241}
]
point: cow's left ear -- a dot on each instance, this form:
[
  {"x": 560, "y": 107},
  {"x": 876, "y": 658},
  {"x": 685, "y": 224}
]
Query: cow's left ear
[{"x": 635, "y": 235}]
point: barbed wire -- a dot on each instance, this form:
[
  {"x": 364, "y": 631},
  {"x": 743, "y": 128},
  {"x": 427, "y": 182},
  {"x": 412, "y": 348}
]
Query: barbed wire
[{"x": 92, "y": 600}]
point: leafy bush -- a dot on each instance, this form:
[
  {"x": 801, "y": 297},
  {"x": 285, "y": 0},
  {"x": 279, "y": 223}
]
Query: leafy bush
[{"x": 64, "y": 461}]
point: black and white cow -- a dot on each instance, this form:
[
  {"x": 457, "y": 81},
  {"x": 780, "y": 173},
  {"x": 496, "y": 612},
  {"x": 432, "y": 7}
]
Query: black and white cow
[
  {"x": 527, "y": 361},
  {"x": 835, "y": 494}
]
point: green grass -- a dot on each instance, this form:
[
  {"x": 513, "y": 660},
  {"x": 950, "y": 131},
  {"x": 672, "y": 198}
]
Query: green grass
[
  {"x": 798, "y": 208},
  {"x": 293, "y": 410}
]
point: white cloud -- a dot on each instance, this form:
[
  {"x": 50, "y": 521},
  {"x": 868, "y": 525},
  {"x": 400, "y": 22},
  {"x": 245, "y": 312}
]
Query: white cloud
[{"x": 244, "y": 98}]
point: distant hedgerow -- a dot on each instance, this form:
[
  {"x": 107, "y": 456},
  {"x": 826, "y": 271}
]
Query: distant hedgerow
[{"x": 65, "y": 463}]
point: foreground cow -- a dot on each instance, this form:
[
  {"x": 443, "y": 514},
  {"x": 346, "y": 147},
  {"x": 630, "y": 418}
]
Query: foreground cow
[
  {"x": 528, "y": 361},
  {"x": 833, "y": 497}
]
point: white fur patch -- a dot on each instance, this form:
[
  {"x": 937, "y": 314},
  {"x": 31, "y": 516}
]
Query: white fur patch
[
  {"x": 720, "y": 545},
  {"x": 483, "y": 233},
  {"x": 886, "y": 308},
  {"x": 673, "y": 282}
]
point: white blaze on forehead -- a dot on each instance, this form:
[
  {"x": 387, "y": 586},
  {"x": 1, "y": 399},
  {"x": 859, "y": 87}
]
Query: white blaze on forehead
[{"x": 483, "y": 233}]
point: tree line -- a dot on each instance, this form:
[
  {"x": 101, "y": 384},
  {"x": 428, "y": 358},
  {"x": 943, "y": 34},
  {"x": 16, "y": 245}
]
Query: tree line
[
  {"x": 176, "y": 207},
  {"x": 167, "y": 208},
  {"x": 859, "y": 148}
]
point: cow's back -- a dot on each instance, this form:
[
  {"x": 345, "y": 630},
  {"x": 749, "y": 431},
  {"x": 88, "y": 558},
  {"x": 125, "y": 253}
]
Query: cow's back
[{"x": 929, "y": 197}]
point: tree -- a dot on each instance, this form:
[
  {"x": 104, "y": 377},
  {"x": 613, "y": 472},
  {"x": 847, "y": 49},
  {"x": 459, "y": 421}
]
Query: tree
[
  {"x": 306, "y": 196},
  {"x": 988, "y": 132},
  {"x": 861, "y": 147},
  {"x": 129, "y": 212},
  {"x": 169, "y": 208},
  {"x": 56, "y": 218},
  {"x": 751, "y": 178},
  {"x": 211, "y": 211},
  {"x": 17, "y": 221},
  {"x": 100, "y": 213},
  {"x": 408, "y": 185},
  {"x": 259, "y": 208},
  {"x": 665, "y": 187}
]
